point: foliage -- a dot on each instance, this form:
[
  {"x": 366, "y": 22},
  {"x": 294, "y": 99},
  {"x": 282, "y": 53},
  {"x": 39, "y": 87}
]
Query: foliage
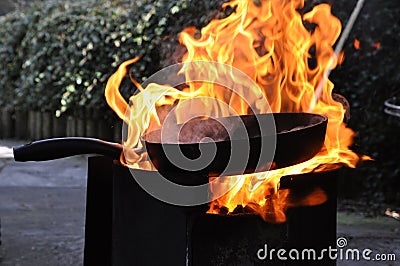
[
  {"x": 59, "y": 55},
  {"x": 367, "y": 78},
  {"x": 13, "y": 31}
]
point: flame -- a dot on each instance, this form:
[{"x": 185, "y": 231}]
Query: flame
[
  {"x": 356, "y": 44},
  {"x": 376, "y": 45},
  {"x": 269, "y": 42}
]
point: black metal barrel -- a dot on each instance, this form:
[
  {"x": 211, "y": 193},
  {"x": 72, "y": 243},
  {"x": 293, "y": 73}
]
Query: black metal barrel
[{"x": 141, "y": 230}]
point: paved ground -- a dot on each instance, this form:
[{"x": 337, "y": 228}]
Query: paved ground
[
  {"x": 42, "y": 209},
  {"x": 381, "y": 235}
]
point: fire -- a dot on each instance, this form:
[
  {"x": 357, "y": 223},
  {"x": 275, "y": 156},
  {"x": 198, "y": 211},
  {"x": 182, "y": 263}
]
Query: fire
[
  {"x": 356, "y": 44},
  {"x": 376, "y": 45},
  {"x": 269, "y": 42}
]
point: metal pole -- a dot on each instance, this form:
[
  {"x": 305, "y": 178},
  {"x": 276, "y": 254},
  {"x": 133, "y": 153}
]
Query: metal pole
[{"x": 338, "y": 48}]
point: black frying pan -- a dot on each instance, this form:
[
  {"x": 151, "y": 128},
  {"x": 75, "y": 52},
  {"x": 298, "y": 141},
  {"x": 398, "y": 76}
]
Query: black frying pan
[{"x": 300, "y": 136}]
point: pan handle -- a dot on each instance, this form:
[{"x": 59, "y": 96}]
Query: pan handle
[{"x": 50, "y": 149}]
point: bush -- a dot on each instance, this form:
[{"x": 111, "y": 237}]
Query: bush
[
  {"x": 59, "y": 56},
  {"x": 367, "y": 78},
  {"x": 12, "y": 33}
]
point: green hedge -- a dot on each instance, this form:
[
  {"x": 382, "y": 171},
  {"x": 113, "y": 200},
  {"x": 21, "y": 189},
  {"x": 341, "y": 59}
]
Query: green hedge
[{"x": 59, "y": 56}]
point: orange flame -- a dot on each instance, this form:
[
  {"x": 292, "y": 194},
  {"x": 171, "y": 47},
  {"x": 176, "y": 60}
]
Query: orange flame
[
  {"x": 356, "y": 44},
  {"x": 376, "y": 45},
  {"x": 287, "y": 60}
]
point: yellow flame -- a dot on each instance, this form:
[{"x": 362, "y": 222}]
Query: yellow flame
[{"x": 271, "y": 44}]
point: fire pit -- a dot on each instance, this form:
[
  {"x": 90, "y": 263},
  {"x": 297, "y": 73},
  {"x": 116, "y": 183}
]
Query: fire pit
[
  {"x": 124, "y": 224},
  {"x": 128, "y": 225},
  {"x": 147, "y": 230}
]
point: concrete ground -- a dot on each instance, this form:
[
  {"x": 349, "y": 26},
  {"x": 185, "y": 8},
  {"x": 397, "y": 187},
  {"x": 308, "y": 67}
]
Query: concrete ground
[
  {"x": 380, "y": 234},
  {"x": 42, "y": 212}
]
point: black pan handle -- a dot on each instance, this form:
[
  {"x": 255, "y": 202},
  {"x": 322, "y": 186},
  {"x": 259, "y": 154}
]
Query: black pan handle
[{"x": 50, "y": 149}]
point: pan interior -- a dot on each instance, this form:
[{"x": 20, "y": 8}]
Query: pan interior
[{"x": 212, "y": 130}]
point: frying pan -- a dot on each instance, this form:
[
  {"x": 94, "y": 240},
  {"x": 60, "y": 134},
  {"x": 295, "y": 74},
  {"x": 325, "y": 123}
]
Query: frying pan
[{"x": 299, "y": 137}]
